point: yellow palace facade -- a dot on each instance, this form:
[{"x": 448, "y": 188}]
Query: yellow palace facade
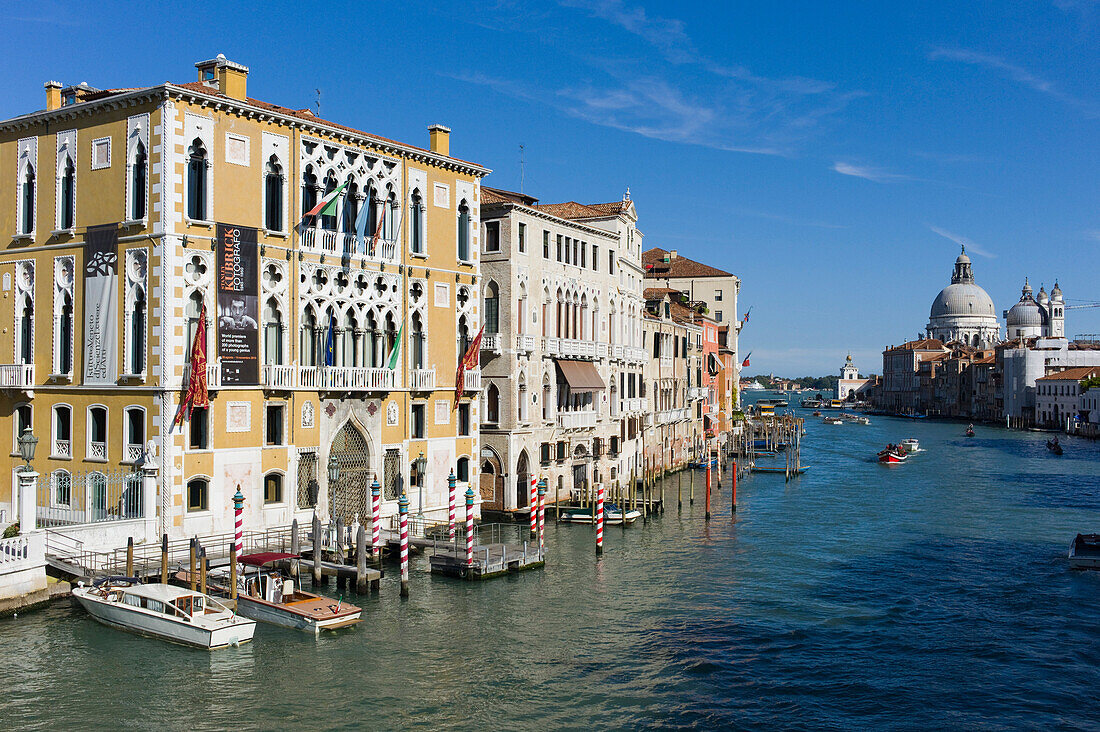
[{"x": 130, "y": 211}]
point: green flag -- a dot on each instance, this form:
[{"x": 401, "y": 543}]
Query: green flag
[{"x": 396, "y": 350}]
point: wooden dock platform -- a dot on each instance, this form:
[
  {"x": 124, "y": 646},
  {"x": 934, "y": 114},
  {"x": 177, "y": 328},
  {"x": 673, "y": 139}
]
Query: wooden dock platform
[{"x": 490, "y": 560}]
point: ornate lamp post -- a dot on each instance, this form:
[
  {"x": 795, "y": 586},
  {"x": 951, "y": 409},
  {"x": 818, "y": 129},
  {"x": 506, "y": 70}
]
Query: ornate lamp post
[
  {"x": 421, "y": 464},
  {"x": 28, "y": 443}
]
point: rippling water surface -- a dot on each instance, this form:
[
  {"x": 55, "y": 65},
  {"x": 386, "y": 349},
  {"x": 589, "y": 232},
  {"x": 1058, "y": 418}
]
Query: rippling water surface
[{"x": 933, "y": 594}]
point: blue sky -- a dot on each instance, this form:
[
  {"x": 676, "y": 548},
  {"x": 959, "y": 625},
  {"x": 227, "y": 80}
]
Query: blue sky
[{"x": 832, "y": 157}]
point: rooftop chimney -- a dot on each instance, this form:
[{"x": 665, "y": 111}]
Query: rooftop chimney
[
  {"x": 439, "y": 139},
  {"x": 53, "y": 95},
  {"x": 219, "y": 73},
  {"x": 673, "y": 254}
]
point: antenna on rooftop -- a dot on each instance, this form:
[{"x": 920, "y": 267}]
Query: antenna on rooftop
[
  {"x": 522, "y": 165},
  {"x": 318, "y": 101}
]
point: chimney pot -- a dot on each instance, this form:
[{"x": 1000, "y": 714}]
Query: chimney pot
[
  {"x": 673, "y": 254},
  {"x": 439, "y": 139}
]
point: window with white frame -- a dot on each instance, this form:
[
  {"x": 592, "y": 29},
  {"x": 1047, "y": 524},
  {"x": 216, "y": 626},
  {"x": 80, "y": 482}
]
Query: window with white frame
[
  {"x": 464, "y": 231},
  {"x": 135, "y": 434},
  {"x": 26, "y": 200},
  {"x": 66, "y": 193},
  {"x": 24, "y": 416},
  {"x": 97, "y": 433},
  {"x": 416, "y": 222},
  {"x": 61, "y": 445},
  {"x": 139, "y": 182},
  {"x": 198, "y": 160}
]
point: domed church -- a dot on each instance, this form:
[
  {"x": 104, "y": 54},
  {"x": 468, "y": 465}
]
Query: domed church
[
  {"x": 1037, "y": 317},
  {"x": 963, "y": 311}
]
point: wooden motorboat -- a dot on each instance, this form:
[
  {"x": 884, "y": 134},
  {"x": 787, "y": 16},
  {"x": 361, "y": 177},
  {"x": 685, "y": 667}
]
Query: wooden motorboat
[
  {"x": 1054, "y": 447},
  {"x": 781, "y": 471},
  {"x": 893, "y": 454},
  {"x": 612, "y": 515},
  {"x": 268, "y": 594},
  {"x": 170, "y": 613},
  {"x": 1084, "y": 552},
  {"x": 817, "y": 413},
  {"x": 833, "y": 420}
]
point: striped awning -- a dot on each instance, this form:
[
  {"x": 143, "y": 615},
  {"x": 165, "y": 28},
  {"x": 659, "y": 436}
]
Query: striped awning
[{"x": 580, "y": 375}]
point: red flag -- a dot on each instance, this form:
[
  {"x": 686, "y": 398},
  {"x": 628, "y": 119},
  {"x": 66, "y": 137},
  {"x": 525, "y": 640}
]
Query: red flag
[
  {"x": 468, "y": 360},
  {"x": 378, "y": 229},
  {"x": 745, "y": 363},
  {"x": 197, "y": 394}
]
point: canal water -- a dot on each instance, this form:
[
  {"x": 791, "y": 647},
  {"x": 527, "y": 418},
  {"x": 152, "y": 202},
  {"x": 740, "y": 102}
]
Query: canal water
[{"x": 933, "y": 594}]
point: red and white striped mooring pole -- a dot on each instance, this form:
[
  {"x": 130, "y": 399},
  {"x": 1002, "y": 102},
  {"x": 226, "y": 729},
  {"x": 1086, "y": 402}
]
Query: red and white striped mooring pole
[
  {"x": 451, "y": 480},
  {"x": 531, "y": 504},
  {"x": 403, "y": 514},
  {"x": 542, "y": 515},
  {"x": 375, "y": 516},
  {"x": 469, "y": 526},
  {"x": 599, "y": 519},
  {"x": 238, "y": 521}
]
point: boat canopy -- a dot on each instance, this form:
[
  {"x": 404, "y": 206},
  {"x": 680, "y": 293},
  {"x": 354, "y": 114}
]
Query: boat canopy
[{"x": 261, "y": 558}]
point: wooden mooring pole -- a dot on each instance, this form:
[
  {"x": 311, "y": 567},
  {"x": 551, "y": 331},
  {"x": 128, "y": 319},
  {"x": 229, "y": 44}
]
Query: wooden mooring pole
[
  {"x": 164, "y": 559},
  {"x": 130, "y": 556},
  {"x": 192, "y": 565},
  {"x": 317, "y": 576},
  {"x": 202, "y": 570},
  {"x": 361, "y": 561},
  {"x": 294, "y": 547}
]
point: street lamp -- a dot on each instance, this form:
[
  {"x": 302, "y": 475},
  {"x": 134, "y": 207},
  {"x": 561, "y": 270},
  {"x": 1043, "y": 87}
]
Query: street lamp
[
  {"x": 27, "y": 445},
  {"x": 421, "y": 465},
  {"x": 333, "y": 470}
]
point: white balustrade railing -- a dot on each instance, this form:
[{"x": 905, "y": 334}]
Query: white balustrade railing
[
  {"x": 278, "y": 377},
  {"x": 617, "y": 351},
  {"x": 525, "y": 343},
  {"x": 25, "y": 551},
  {"x": 213, "y": 375},
  {"x": 357, "y": 378},
  {"x": 97, "y": 450},
  {"x": 17, "y": 375},
  {"x": 576, "y": 348},
  {"x": 669, "y": 416},
  {"x": 491, "y": 342},
  {"x": 576, "y": 420},
  {"x": 134, "y": 452},
  {"x": 471, "y": 380},
  {"x": 345, "y": 244},
  {"x": 666, "y": 363},
  {"x": 422, "y": 379},
  {"x": 601, "y": 350},
  {"x": 62, "y": 448},
  {"x": 697, "y": 392}
]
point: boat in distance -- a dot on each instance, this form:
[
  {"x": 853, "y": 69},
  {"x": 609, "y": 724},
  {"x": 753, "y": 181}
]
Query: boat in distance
[
  {"x": 174, "y": 614},
  {"x": 1084, "y": 552}
]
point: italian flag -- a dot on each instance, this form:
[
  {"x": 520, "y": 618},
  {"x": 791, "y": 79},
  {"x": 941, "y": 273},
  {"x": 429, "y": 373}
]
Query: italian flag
[
  {"x": 327, "y": 206},
  {"x": 396, "y": 350}
]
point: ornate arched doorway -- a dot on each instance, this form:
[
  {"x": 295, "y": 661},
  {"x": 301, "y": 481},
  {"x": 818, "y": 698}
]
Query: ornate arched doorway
[
  {"x": 523, "y": 480},
  {"x": 492, "y": 480},
  {"x": 350, "y": 494}
]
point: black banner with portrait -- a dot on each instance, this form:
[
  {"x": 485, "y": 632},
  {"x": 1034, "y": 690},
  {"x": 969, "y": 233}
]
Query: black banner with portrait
[{"x": 238, "y": 305}]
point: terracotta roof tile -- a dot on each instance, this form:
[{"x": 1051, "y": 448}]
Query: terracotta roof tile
[
  {"x": 924, "y": 344},
  {"x": 570, "y": 210},
  {"x": 681, "y": 266},
  {"x": 499, "y": 195},
  {"x": 1072, "y": 374}
]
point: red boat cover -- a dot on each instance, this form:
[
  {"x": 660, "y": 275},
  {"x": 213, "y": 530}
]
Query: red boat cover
[{"x": 262, "y": 558}]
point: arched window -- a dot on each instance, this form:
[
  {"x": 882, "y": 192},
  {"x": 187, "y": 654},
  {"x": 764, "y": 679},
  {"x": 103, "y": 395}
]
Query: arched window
[
  {"x": 307, "y": 342},
  {"x": 68, "y": 195},
  {"x": 416, "y": 222},
  {"x": 521, "y": 400},
  {"x": 136, "y": 333},
  {"x": 61, "y": 483},
  {"x": 273, "y": 195},
  {"x": 198, "y": 494},
  {"x": 24, "y": 416},
  {"x": 26, "y": 332},
  {"x": 193, "y": 311},
  {"x": 463, "y": 231},
  {"x": 27, "y": 225},
  {"x": 391, "y": 337},
  {"x": 196, "y": 181},
  {"x": 417, "y": 341},
  {"x": 135, "y": 433},
  {"x": 462, "y": 470},
  {"x": 351, "y": 207},
  {"x": 492, "y": 404},
  {"x": 273, "y": 488},
  {"x": 62, "y": 431},
  {"x": 390, "y": 223},
  {"x": 273, "y": 333},
  {"x": 328, "y": 222},
  {"x": 309, "y": 190},
  {"x": 371, "y": 203},
  {"x": 351, "y": 354},
  {"x": 492, "y": 308},
  {"x": 374, "y": 349},
  {"x": 138, "y": 177},
  {"x": 97, "y": 433}
]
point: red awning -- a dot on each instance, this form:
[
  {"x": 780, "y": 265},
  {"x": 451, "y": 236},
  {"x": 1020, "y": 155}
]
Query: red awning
[{"x": 262, "y": 558}]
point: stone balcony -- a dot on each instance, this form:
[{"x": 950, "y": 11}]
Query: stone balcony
[
  {"x": 422, "y": 379},
  {"x": 491, "y": 342},
  {"x": 669, "y": 416},
  {"x": 17, "y": 376},
  {"x": 525, "y": 343},
  {"x": 471, "y": 380},
  {"x": 576, "y": 420},
  {"x": 340, "y": 244}
]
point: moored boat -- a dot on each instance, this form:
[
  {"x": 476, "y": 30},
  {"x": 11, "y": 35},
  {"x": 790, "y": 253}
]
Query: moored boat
[
  {"x": 162, "y": 611},
  {"x": 269, "y": 595},
  {"x": 1084, "y": 552},
  {"x": 612, "y": 515}
]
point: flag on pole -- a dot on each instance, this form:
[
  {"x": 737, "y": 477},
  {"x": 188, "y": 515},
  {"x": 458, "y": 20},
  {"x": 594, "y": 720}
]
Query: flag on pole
[
  {"x": 395, "y": 352},
  {"x": 361, "y": 226},
  {"x": 330, "y": 342},
  {"x": 197, "y": 394},
  {"x": 746, "y": 318},
  {"x": 327, "y": 205},
  {"x": 745, "y": 363},
  {"x": 468, "y": 360},
  {"x": 378, "y": 229}
]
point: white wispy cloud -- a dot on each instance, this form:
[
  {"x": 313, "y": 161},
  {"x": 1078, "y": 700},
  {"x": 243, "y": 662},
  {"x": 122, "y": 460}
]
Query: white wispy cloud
[
  {"x": 962, "y": 241},
  {"x": 1018, "y": 74},
  {"x": 878, "y": 175},
  {"x": 1092, "y": 234},
  {"x": 665, "y": 34}
]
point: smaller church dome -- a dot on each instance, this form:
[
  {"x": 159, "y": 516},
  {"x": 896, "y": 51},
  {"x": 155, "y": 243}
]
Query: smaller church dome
[
  {"x": 1056, "y": 293},
  {"x": 1024, "y": 314}
]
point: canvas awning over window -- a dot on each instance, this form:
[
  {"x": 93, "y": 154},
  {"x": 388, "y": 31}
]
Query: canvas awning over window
[{"x": 580, "y": 375}]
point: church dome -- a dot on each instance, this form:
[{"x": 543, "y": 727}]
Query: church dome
[
  {"x": 1024, "y": 314},
  {"x": 963, "y": 298}
]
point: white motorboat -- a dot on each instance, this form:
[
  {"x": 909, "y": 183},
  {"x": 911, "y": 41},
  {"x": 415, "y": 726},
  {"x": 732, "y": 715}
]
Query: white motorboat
[
  {"x": 269, "y": 595},
  {"x": 612, "y": 515},
  {"x": 911, "y": 444},
  {"x": 162, "y": 611}
]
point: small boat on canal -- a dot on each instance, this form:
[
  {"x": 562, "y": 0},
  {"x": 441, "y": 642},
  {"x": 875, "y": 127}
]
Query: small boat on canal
[
  {"x": 893, "y": 454},
  {"x": 970, "y": 430},
  {"x": 268, "y": 594},
  {"x": 170, "y": 613},
  {"x": 1084, "y": 552},
  {"x": 1054, "y": 447},
  {"x": 911, "y": 445},
  {"x": 612, "y": 515},
  {"x": 833, "y": 420}
]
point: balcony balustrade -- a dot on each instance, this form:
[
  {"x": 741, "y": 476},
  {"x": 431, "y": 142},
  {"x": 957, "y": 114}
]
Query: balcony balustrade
[
  {"x": 17, "y": 376},
  {"x": 422, "y": 379},
  {"x": 576, "y": 420},
  {"x": 491, "y": 342},
  {"x": 342, "y": 244}
]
